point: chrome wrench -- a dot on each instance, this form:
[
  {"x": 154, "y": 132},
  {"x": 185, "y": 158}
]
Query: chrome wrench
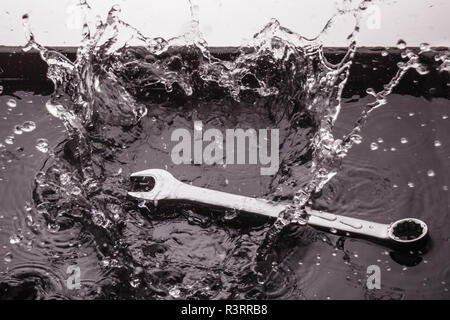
[{"x": 404, "y": 232}]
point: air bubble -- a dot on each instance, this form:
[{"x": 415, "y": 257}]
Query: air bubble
[
  {"x": 403, "y": 140},
  {"x": 430, "y": 173},
  {"x": 380, "y": 140},
  {"x": 384, "y": 53},
  {"x": 410, "y": 184},
  {"x": 437, "y": 143}
]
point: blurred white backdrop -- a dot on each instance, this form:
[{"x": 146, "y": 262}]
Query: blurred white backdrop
[{"x": 233, "y": 22}]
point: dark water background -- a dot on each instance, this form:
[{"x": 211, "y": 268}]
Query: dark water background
[{"x": 189, "y": 253}]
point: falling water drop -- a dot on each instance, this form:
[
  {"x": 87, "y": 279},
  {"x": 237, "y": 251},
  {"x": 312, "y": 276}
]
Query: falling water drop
[
  {"x": 424, "y": 47},
  {"x": 401, "y": 44}
]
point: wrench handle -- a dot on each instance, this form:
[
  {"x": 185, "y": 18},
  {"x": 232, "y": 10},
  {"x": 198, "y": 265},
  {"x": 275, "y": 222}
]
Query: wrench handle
[
  {"x": 330, "y": 222},
  {"x": 335, "y": 223},
  {"x": 227, "y": 200}
]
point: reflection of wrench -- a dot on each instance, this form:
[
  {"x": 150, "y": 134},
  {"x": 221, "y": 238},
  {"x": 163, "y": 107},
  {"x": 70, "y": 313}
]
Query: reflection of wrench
[{"x": 402, "y": 232}]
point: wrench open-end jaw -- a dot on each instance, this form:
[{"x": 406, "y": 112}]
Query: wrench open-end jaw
[
  {"x": 165, "y": 185},
  {"x": 407, "y": 232}
]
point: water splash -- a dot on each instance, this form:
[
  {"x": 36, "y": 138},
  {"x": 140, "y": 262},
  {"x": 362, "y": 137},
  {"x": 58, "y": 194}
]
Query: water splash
[{"x": 103, "y": 93}]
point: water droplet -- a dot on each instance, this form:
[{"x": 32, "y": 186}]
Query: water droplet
[
  {"x": 371, "y": 91},
  {"x": 14, "y": 239},
  {"x": 404, "y": 140},
  {"x": 64, "y": 178},
  {"x": 28, "y": 207},
  {"x": 445, "y": 117},
  {"x": 11, "y": 103},
  {"x": 437, "y": 143},
  {"x": 356, "y": 138},
  {"x": 393, "y": 149},
  {"x": 135, "y": 283},
  {"x": 424, "y": 47},
  {"x": 99, "y": 219},
  {"x": 380, "y": 140},
  {"x": 410, "y": 184},
  {"x": 9, "y": 140},
  {"x": 8, "y": 257},
  {"x": 373, "y": 146},
  {"x": 174, "y": 292},
  {"x": 18, "y": 129},
  {"x": 42, "y": 145},
  {"x": 430, "y": 173},
  {"x": 401, "y": 44},
  {"x": 28, "y": 126}
]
